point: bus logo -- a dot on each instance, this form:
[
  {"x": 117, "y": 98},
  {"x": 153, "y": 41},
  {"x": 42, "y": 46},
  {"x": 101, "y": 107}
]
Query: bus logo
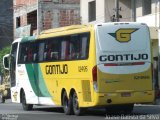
[{"x": 123, "y": 34}]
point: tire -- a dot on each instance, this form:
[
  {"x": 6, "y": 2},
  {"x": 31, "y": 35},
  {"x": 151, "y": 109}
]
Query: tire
[
  {"x": 2, "y": 98},
  {"x": 76, "y": 109},
  {"x": 26, "y": 107},
  {"x": 67, "y": 104}
]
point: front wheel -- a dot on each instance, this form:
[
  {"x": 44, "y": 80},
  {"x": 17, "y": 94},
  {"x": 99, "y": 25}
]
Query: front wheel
[
  {"x": 2, "y": 99},
  {"x": 76, "y": 109},
  {"x": 26, "y": 106}
]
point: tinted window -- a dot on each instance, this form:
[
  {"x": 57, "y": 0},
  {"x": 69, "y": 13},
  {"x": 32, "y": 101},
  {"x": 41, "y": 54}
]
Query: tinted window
[
  {"x": 71, "y": 47},
  {"x": 28, "y": 52},
  {"x": 13, "y": 64}
]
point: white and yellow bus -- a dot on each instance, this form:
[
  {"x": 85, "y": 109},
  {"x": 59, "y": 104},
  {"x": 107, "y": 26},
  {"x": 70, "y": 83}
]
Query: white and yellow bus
[{"x": 104, "y": 65}]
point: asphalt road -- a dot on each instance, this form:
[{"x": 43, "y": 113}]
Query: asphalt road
[{"x": 12, "y": 111}]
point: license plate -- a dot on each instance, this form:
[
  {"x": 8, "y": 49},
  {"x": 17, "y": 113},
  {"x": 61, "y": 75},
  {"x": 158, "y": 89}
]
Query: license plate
[{"x": 126, "y": 94}]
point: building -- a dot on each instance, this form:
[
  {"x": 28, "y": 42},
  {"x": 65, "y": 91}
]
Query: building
[
  {"x": 144, "y": 11},
  {"x": 148, "y": 11},
  {"x": 33, "y": 16},
  {"x": 6, "y": 23},
  {"x": 93, "y": 11}
]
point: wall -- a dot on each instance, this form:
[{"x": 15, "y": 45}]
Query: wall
[
  {"x": 125, "y": 11},
  {"x": 25, "y": 2},
  {"x": 63, "y": 13},
  {"x": 50, "y": 13},
  {"x": 6, "y": 23},
  {"x": 23, "y": 8},
  {"x": 152, "y": 19},
  {"x": 100, "y": 11},
  {"x": 105, "y": 10}
]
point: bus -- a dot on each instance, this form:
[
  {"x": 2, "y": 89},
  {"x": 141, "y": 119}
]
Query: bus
[{"x": 77, "y": 67}]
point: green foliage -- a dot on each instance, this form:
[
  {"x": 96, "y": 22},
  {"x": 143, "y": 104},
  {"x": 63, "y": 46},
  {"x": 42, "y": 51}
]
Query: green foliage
[{"x": 4, "y": 51}]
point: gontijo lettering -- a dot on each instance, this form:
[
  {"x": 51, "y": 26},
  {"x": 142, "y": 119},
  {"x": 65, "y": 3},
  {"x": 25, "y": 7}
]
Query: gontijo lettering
[
  {"x": 123, "y": 57},
  {"x": 57, "y": 69}
]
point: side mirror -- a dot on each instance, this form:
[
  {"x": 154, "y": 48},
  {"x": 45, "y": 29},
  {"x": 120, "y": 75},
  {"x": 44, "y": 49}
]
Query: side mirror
[{"x": 6, "y": 61}]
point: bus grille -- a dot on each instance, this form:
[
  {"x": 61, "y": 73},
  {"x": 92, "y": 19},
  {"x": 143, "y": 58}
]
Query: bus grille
[{"x": 86, "y": 90}]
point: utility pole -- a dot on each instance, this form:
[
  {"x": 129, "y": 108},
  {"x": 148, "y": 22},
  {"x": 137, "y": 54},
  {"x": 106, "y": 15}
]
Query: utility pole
[
  {"x": 133, "y": 10},
  {"x": 117, "y": 10}
]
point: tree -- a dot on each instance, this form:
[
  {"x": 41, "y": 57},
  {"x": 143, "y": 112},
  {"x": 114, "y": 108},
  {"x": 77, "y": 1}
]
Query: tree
[{"x": 4, "y": 51}]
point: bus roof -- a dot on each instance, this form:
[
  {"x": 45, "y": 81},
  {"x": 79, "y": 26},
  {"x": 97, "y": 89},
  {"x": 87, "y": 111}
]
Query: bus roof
[
  {"x": 61, "y": 29},
  {"x": 65, "y": 30}
]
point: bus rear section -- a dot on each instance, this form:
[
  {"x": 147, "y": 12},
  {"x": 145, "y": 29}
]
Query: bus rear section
[{"x": 123, "y": 74}]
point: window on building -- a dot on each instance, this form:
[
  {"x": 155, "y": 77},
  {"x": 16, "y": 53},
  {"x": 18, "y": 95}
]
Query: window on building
[
  {"x": 92, "y": 11},
  {"x": 146, "y": 7},
  {"x": 32, "y": 20},
  {"x": 18, "y": 22}
]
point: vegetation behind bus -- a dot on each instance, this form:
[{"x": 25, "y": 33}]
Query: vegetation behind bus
[{"x": 5, "y": 81}]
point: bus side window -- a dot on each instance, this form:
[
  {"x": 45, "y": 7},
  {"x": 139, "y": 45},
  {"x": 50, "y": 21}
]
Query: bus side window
[
  {"x": 47, "y": 53},
  {"x": 64, "y": 52},
  {"x": 22, "y": 57},
  {"x": 84, "y": 47},
  {"x": 35, "y": 57},
  {"x": 29, "y": 55},
  {"x": 74, "y": 48},
  {"x": 54, "y": 54},
  {"x": 35, "y": 52},
  {"x": 41, "y": 53},
  {"x": 31, "y": 51},
  {"x": 71, "y": 51},
  {"x": 49, "y": 50},
  {"x": 25, "y": 55}
]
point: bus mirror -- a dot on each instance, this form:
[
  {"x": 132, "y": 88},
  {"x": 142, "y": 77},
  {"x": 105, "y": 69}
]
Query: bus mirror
[{"x": 6, "y": 61}]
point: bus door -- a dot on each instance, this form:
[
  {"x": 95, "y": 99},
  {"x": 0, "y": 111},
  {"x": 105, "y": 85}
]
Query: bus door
[
  {"x": 43, "y": 51},
  {"x": 13, "y": 64},
  {"x": 26, "y": 69}
]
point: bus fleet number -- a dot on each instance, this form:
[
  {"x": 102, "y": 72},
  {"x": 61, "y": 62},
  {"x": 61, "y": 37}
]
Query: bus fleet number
[{"x": 82, "y": 68}]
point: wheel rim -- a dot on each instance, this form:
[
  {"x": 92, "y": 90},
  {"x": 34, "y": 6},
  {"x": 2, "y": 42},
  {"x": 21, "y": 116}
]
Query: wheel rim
[
  {"x": 75, "y": 102},
  {"x": 1, "y": 97},
  {"x": 23, "y": 100},
  {"x": 65, "y": 102}
]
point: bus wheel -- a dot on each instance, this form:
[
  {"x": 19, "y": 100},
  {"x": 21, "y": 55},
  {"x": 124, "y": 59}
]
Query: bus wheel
[
  {"x": 25, "y": 106},
  {"x": 76, "y": 109},
  {"x": 67, "y": 104},
  {"x": 2, "y": 99}
]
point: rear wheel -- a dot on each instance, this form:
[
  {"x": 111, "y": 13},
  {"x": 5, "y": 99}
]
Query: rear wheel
[
  {"x": 76, "y": 109},
  {"x": 25, "y": 106},
  {"x": 67, "y": 104}
]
